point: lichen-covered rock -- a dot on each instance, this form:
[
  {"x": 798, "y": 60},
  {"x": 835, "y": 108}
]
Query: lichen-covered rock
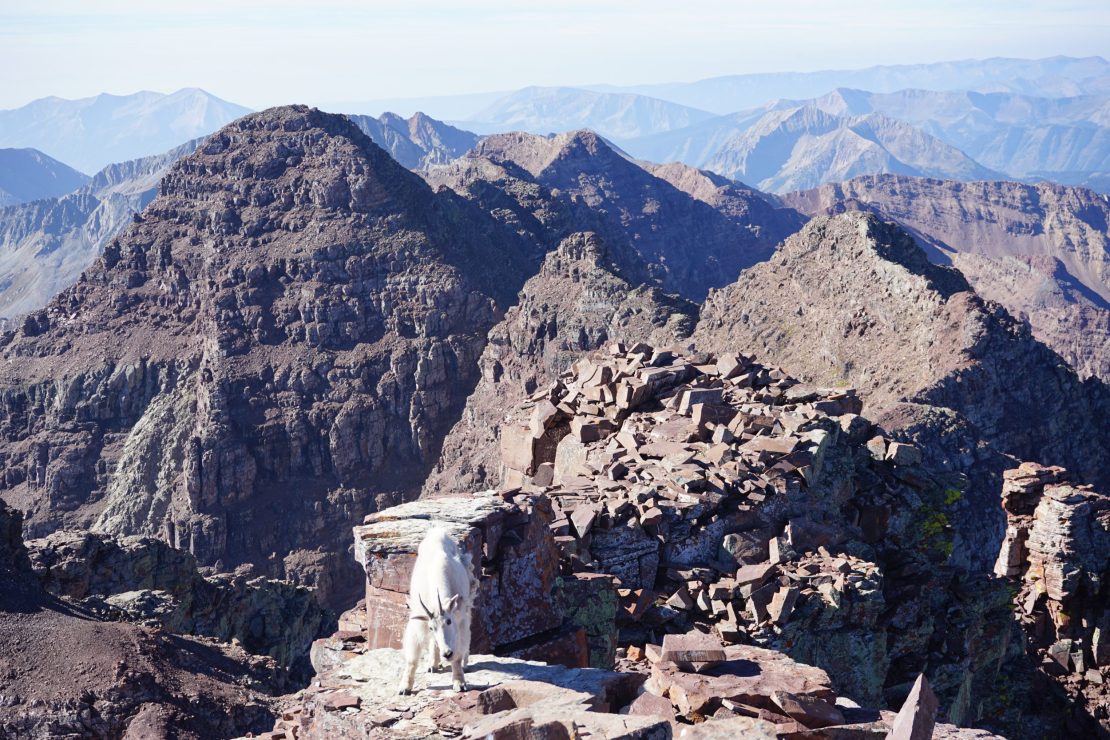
[{"x": 1057, "y": 555}]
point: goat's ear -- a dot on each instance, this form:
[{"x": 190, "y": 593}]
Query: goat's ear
[{"x": 453, "y": 602}]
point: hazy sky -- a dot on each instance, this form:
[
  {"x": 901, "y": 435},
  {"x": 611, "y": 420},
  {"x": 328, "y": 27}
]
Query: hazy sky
[{"x": 264, "y": 52}]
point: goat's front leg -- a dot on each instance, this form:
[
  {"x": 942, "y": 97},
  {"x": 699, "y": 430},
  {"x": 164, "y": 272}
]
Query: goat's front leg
[
  {"x": 458, "y": 680},
  {"x": 412, "y": 646}
]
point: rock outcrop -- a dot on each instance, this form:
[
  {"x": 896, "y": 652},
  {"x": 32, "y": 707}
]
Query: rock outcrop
[
  {"x": 773, "y": 560},
  {"x": 852, "y": 300},
  {"x": 1057, "y": 553},
  {"x": 276, "y": 349},
  {"x": 1039, "y": 250},
  {"x": 64, "y": 673},
  {"x": 144, "y": 580}
]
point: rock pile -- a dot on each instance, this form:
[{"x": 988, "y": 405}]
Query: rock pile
[
  {"x": 655, "y": 492},
  {"x": 1057, "y": 551}
]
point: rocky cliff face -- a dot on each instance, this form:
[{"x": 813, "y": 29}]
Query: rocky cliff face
[
  {"x": 45, "y": 245},
  {"x": 851, "y": 300},
  {"x": 1039, "y": 250},
  {"x": 144, "y": 580},
  {"x": 1057, "y": 554},
  {"x": 277, "y": 348}
]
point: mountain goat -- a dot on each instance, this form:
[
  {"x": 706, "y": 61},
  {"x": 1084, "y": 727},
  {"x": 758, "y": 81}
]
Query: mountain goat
[{"x": 441, "y": 598}]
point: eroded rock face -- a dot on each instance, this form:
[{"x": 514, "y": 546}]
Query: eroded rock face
[
  {"x": 1057, "y": 553},
  {"x": 852, "y": 300},
  {"x": 292, "y": 328}
]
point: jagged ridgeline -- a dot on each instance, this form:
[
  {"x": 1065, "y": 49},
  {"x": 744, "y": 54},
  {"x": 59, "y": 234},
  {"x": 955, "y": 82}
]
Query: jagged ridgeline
[{"x": 275, "y": 350}]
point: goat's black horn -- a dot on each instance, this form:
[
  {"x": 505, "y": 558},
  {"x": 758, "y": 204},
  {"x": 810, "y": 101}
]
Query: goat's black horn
[
  {"x": 426, "y": 609},
  {"x": 439, "y": 601}
]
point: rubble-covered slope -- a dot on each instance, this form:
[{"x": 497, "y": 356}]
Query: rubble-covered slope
[
  {"x": 575, "y": 303},
  {"x": 1040, "y": 250},
  {"x": 275, "y": 349},
  {"x": 851, "y": 300}
]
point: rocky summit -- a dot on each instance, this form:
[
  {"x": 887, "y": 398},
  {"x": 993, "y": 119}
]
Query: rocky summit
[
  {"x": 718, "y": 471},
  {"x": 703, "y": 547}
]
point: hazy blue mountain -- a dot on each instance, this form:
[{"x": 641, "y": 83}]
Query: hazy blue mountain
[
  {"x": 544, "y": 110},
  {"x": 28, "y": 174},
  {"x": 1066, "y": 139},
  {"x": 418, "y": 141},
  {"x": 91, "y": 133},
  {"x": 46, "y": 244},
  {"x": 1052, "y": 77},
  {"x": 792, "y": 148}
]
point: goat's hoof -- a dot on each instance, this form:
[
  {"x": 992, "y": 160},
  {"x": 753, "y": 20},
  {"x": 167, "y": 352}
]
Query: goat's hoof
[
  {"x": 462, "y": 686},
  {"x": 435, "y": 669},
  {"x": 404, "y": 692}
]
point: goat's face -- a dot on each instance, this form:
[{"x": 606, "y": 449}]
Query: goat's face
[{"x": 443, "y": 624}]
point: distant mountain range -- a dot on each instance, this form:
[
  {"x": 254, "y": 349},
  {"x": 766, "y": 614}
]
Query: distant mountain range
[
  {"x": 616, "y": 116},
  {"x": 801, "y": 147},
  {"x": 91, "y": 133},
  {"x": 28, "y": 174}
]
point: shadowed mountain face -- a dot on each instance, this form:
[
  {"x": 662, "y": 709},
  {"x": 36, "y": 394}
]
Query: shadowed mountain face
[
  {"x": 416, "y": 142},
  {"x": 542, "y": 110},
  {"x": 276, "y": 349},
  {"x": 1039, "y": 250},
  {"x": 27, "y": 174},
  {"x": 91, "y": 133},
  {"x": 688, "y": 242},
  {"x": 46, "y": 244}
]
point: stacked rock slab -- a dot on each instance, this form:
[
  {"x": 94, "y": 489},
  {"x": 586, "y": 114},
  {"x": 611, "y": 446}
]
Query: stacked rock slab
[
  {"x": 1057, "y": 550},
  {"x": 519, "y": 607}
]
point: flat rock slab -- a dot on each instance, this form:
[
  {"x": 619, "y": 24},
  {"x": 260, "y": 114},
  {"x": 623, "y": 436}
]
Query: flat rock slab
[
  {"x": 749, "y": 675},
  {"x": 695, "y": 651},
  {"x": 733, "y": 728},
  {"x": 504, "y": 692}
]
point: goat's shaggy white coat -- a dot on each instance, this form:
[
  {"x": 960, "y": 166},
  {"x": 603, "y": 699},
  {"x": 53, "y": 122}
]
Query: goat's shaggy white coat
[{"x": 441, "y": 599}]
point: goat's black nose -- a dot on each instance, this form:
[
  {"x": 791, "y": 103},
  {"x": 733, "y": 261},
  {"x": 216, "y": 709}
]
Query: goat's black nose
[{"x": 448, "y": 654}]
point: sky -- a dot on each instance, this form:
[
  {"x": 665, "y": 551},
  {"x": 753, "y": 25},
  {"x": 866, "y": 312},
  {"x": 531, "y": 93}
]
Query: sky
[{"x": 267, "y": 52}]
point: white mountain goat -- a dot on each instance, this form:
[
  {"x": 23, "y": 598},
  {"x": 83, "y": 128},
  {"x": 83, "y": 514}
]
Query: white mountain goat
[{"x": 441, "y": 598}]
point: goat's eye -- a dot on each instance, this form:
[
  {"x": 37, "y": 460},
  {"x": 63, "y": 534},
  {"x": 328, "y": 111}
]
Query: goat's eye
[{"x": 448, "y": 621}]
